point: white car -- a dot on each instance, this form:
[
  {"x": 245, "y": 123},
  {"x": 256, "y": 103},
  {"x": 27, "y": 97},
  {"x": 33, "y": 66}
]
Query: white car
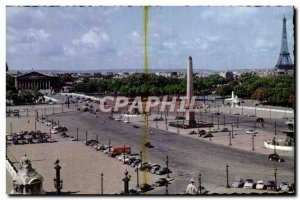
[
  {"x": 260, "y": 185},
  {"x": 251, "y": 131},
  {"x": 249, "y": 184},
  {"x": 54, "y": 131}
]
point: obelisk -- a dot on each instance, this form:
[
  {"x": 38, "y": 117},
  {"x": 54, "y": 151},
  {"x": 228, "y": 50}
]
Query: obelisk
[{"x": 189, "y": 115}]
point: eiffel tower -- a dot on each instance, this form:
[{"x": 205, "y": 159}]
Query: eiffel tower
[{"x": 284, "y": 61}]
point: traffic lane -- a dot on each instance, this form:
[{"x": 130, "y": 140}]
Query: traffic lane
[{"x": 182, "y": 149}]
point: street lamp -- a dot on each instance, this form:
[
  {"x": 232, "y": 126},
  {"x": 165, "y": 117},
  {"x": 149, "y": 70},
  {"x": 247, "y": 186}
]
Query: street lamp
[
  {"x": 58, "y": 182},
  {"x": 275, "y": 176},
  {"x": 227, "y": 183},
  {"x": 232, "y": 130},
  {"x": 229, "y": 134},
  {"x": 101, "y": 182},
  {"x": 167, "y": 162},
  {"x": 253, "y": 142},
  {"x": 199, "y": 178},
  {"x": 77, "y": 133},
  {"x": 86, "y": 136},
  {"x": 126, "y": 180}
]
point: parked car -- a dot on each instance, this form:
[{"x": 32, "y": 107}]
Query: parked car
[
  {"x": 225, "y": 130},
  {"x": 161, "y": 182},
  {"x": 163, "y": 171},
  {"x": 136, "y": 162},
  {"x": 135, "y": 126},
  {"x": 249, "y": 184},
  {"x": 154, "y": 169},
  {"x": 201, "y": 133},
  {"x": 145, "y": 187},
  {"x": 238, "y": 183},
  {"x": 260, "y": 185},
  {"x": 284, "y": 186},
  {"x": 217, "y": 113},
  {"x": 208, "y": 135},
  {"x": 271, "y": 185},
  {"x": 192, "y": 133},
  {"x": 251, "y": 131},
  {"x": 275, "y": 157}
]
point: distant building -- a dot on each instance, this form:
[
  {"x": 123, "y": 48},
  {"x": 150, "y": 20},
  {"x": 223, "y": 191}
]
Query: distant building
[
  {"x": 37, "y": 81},
  {"x": 284, "y": 61}
]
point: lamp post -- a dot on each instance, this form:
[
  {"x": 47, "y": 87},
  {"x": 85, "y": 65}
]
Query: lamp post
[
  {"x": 126, "y": 180},
  {"x": 86, "y": 136},
  {"x": 101, "y": 182},
  {"x": 124, "y": 154},
  {"x": 253, "y": 142},
  {"x": 274, "y": 144},
  {"x": 242, "y": 110},
  {"x": 156, "y": 123},
  {"x": 223, "y": 120},
  {"x": 10, "y": 127},
  {"x": 50, "y": 133},
  {"x": 137, "y": 177},
  {"x": 167, "y": 162},
  {"x": 199, "y": 179},
  {"x": 35, "y": 126},
  {"x": 166, "y": 122},
  {"x": 141, "y": 155},
  {"x": 275, "y": 177},
  {"x": 77, "y": 133},
  {"x": 109, "y": 146},
  {"x": 237, "y": 122},
  {"x": 58, "y": 182},
  {"x": 232, "y": 130},
  {"x": 229, "y": 134},
  {"x": 58, "y": 123},
  {"x": 227, "y": 183},
  {"x": 167, "y": 188}
]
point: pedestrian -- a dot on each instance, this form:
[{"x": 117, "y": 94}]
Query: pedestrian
[{"x": 191, "y": 188}]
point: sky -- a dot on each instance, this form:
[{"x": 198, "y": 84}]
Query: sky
[{"x": 103, "y": 38}]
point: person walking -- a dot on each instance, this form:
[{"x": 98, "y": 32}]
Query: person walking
[{"x": 191, "y": 188}]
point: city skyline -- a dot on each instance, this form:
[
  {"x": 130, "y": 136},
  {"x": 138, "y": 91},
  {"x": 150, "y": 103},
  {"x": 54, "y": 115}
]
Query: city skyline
[{"x": 78, "y": 38}]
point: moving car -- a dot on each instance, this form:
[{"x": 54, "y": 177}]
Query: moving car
[
  {"x": 260, "y": 185},
  {"x": 251, "y": 131},
  {"x": 275, "y": 157},
  {"x": 161, "y": 182},
  {"x": 260, "y": 119},
  {"x": 225, "y": 130},
  {"x": 238, "y": 183},
  {"x": 145, "y": 187},
  {"x": 148, "y": 145},
  {"x": 249, "y": 184}
]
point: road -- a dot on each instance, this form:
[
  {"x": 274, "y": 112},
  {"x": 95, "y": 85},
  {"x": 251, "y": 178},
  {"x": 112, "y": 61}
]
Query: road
[{"x": 187, "y": 156}]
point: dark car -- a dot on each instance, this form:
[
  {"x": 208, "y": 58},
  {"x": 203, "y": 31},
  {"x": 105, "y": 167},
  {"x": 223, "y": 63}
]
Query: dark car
[
  {"x": 146, "y": 187},
  {"x": 208, "y": 135},
  {"x": 135, "y": 126},
  {"x": 217, "y": 113},
  {"x": 135, "y": 163},
  {"x": 238, "y": 183},
  {"x": 158, "y": 119},
  {"x": 201, "y": 133},
  {"x": 260, "y": 119},
  {"x": 275, "y": 157},
  {"x": 161, "y": 182},
  {"x": 225, "y": 130},
  {"x": 271, "y": 185},
  {"x": 192, "y": 133},
  {"x": 163, "y": 171},
  {"x": 179, "y": 118}
]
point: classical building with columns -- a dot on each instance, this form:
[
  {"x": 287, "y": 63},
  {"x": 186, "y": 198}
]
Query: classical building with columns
[{"x": 37, "y": 81}]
